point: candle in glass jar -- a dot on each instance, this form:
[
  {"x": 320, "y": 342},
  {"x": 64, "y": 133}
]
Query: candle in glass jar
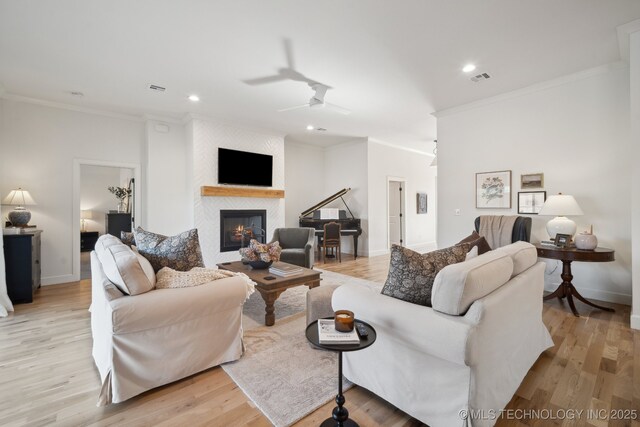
[{"x": 344, "y": 320}]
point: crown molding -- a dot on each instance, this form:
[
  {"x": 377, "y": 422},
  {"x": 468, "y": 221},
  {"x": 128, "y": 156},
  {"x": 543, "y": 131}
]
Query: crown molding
[
  {"x": 163, "y": 119},
  {"x": 69, "y": 107},
  {"x": 400, "y": 147},
  {"x": 538, "y": 87},
  {"x": 624, "y": 31},
  {"x": 234, "y": 124},
  {"x": 296, "y": 143}
]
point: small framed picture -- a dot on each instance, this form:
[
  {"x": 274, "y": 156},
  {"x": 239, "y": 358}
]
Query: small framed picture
[
  {"x": 421, "y": 203},
  {"x": 532, "y": 180},
  {"x": 530, "y": 202},
  {"x": 563, "y": 240},
  {"x": 493, "y": 190}
]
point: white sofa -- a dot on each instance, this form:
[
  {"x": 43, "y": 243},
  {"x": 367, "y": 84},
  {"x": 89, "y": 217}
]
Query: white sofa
[
  {"x": 469, "y": 352},
  {"x": 154, "y": 338}
]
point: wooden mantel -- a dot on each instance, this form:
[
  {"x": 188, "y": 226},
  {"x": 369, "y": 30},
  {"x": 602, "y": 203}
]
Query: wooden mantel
[{"x": 218, "y": 191}]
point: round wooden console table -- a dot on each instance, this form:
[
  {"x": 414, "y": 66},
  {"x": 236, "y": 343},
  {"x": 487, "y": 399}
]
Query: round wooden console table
[{"x": 567, "y": 255}]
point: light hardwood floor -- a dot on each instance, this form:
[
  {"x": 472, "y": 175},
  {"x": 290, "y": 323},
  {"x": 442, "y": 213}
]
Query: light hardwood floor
[{"x": 47, "y": 376}]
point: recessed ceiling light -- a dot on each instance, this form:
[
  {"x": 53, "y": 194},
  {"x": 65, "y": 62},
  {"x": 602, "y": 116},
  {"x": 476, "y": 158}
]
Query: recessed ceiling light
[
  {"x": 468, "y": 68},
  {"x": 310, "y": 127},
  {"x": 194, "y": 98}
]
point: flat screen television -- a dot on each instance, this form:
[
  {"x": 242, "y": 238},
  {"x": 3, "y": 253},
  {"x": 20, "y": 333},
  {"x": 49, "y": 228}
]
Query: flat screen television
[{"x": 244, "y": 168}]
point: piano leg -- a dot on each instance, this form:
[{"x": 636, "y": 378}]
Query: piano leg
[{"x": 355, "y": 246}]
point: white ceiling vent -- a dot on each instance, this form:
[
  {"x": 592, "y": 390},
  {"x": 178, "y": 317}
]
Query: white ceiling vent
[
  {"x": 157, "y": 88},
  {"x": 480, "y": 77}
]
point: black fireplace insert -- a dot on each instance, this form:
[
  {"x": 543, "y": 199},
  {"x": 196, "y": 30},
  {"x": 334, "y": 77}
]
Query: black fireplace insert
[{"x": 238, "y": 227}]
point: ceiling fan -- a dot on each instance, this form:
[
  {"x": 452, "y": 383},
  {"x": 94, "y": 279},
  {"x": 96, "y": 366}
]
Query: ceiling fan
[
  {"x": 317, "y": 101},
  {"x": 290, "y": 73}
]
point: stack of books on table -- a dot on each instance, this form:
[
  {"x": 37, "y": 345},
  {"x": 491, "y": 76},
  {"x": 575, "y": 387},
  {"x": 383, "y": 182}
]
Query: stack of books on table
[
  {"x": 327, "y": 334},
  {"x": 285, "y": 270}
]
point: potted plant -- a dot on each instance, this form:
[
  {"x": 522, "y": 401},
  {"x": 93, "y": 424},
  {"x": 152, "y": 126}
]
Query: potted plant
[{"x": 121, "y": 194}]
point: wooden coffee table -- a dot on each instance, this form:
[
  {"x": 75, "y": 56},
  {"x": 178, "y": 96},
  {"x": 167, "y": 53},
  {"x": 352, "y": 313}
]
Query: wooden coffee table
[{"x": 270, "y": 290}]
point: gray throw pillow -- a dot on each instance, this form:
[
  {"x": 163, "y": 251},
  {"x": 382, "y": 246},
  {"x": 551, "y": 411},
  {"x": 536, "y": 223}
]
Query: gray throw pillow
[
  {"x": 411, "y": 274},
  {"x": 181, "y": 252}
]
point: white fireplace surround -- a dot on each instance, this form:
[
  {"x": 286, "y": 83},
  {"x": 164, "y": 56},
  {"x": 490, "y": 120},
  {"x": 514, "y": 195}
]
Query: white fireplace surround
[{"x": 206, "y": 136}]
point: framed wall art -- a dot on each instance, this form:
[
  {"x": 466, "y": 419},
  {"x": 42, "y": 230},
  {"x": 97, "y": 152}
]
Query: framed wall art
[
  {"x": 532, "y": 180},
  {"x": 530, "y": 202},
  {"x": 421, "y": 203},
  {"x": 493, "y": 190}
]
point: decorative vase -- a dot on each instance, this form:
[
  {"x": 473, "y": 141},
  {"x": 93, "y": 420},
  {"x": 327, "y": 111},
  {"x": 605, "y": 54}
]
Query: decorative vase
[
  {"x": 586, "y": 241},
  {"x": 121, "y": 206},
  {"x": 260, "y": 265}
]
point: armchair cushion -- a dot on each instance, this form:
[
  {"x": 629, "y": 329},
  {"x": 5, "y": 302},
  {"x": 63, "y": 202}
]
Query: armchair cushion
[
  {"x": 457, "y": 286},
  {"x": 293, "y": 256},
  {"x": 411, "y": 274}
]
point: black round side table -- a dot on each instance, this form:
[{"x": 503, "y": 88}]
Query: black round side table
[{"x": 340, "y": 415}]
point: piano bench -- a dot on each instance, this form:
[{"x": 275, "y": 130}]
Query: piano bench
[{"x": 319, "y": 302}]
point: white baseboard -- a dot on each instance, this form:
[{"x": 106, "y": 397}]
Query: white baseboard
[
  {"x": 376, "y": 252},
  {"x": 635, "y": 321},
  {"x": 56, "y": 280},
  {"x": 598, "y": 294}
]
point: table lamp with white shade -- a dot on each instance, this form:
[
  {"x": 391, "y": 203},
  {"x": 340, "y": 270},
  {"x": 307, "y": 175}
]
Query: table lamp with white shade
[
  {"x": 561, "y": 206},
  {"x": 20, "y": 216},
  {"x": 84, "y": 215}
]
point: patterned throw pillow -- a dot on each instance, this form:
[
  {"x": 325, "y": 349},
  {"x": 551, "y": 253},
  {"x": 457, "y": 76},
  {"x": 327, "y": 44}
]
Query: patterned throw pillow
[
  {"x": 127, "y": 238},
  {"x": 181, "y": 252},
  {"x": 411, "y": 274}
]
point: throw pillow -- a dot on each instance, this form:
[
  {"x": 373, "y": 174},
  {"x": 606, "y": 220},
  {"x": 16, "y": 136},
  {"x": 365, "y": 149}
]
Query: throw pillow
[
  {"x": 146, "y": 266},
  {"x": 411, "y": 274},
  {"x": 181, "y": 252},
  {"x": 122, "y": 266},
  {"x": 478, "y": 241},
  {"x": 127, "y": 238}
]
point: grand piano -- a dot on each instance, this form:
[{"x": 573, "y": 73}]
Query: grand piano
[{"x": 349, "y": 226}]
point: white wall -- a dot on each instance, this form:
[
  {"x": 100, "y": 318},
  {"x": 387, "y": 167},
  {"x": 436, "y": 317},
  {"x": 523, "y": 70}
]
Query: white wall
[
  {"x": 304, "y": 178},
  {"x": 207, "y": 136},
  {"x": 94, "y": 195},
  {"x": 575, "y": 131},
  {"x": 38, "y": 144},
  {"x": 413, "y": 167},
  {"x": 169, "y": 198},
  {"x": 346, "y": 167},
  {"x": 634, "y": 65}
]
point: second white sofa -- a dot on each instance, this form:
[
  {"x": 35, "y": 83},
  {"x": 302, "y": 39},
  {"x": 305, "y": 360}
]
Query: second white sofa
[{"x": 468, "y": 353}]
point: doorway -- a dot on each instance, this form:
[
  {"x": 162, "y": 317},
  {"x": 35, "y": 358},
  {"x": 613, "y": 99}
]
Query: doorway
[
  {"x": 95, "y": 206},
  {"x": 396, "y": 228}
]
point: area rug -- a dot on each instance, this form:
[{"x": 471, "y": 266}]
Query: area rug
[{"x": 280, "y": 372}]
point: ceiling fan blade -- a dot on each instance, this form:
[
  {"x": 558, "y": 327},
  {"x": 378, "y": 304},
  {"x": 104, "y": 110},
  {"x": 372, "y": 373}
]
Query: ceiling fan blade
[
  {"x": 337, "y": 108},
  {"x": 264, "y": 80},
  {"x": 294, "y": 108}
]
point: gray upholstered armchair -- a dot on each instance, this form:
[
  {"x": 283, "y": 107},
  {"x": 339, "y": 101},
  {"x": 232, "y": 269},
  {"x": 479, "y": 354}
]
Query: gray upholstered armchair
[{"x": 296, "y": 244}]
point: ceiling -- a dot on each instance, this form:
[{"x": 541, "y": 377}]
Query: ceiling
[{"x": 391, "y": 63}]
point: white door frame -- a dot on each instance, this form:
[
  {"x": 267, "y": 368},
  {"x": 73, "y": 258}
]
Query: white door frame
[
  {"x": 76, "y": 201},
  {"x": 403, "y": 200}
]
